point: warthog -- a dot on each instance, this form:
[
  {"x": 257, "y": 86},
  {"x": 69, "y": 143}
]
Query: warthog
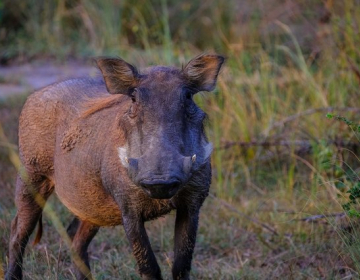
[{"x": 123, "y": 148}]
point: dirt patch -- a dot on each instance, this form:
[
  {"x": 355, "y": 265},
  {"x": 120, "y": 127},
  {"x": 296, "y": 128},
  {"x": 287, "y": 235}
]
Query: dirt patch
[{"x": 18, "y": 79}]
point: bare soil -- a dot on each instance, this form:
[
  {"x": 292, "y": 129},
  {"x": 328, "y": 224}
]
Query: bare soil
[{"x": 19, "y": 79}]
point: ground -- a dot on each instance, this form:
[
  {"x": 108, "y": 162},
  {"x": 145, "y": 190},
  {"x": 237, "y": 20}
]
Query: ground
[{"x": 24, "y": 78}]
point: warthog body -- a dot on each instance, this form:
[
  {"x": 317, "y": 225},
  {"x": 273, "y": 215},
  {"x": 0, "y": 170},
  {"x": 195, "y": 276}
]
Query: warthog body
[{"x": 121, "y": 149}]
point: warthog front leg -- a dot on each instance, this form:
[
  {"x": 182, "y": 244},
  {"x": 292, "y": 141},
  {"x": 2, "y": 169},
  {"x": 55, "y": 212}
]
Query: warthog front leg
[
  {"x": 136, "y": 233},
  {"x": 186, "y": 225}
]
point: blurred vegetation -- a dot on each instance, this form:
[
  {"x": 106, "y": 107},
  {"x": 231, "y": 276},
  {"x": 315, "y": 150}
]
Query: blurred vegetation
[
  {"x": 77, "y": 27},
  {"x": 277, "y": 159}
]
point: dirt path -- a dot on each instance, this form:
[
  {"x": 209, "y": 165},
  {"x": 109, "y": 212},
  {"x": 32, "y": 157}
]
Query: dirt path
[{"x": 28, "y": 77}]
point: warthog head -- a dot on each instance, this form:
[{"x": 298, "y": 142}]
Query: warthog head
[{"x": 165, "y": 139}]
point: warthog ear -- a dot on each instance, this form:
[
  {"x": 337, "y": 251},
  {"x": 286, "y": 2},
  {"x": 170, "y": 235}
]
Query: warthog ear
[
  {"x": 119, "y": 76},
  {"x": 202, "y": 71}
]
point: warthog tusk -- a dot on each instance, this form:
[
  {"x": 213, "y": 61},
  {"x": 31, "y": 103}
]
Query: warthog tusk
[
  {"x": 193, "y": 158},
  {"x": 127, "y": 159}
]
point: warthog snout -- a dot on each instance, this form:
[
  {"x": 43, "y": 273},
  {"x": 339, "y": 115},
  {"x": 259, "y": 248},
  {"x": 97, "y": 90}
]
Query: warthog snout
[
  {"x": 161, "y": 189},
  {"x": 164, "y": 181}
]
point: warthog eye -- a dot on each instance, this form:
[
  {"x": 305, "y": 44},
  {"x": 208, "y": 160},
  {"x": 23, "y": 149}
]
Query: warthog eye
[
  {"x": 187, "y": 93},
  {"x": 191, "y": 108},
  {"x": 133, "y": 95}
]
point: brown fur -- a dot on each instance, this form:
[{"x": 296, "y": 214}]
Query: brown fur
[{"x": 94, "y": 105}]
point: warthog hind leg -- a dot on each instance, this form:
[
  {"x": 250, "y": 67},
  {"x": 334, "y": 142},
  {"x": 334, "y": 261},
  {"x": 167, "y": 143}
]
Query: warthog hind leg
[
  {"x": 30, "y": 200},
  {"x": 73, "y": 227},
  {"x": 81, "y": 239}
]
